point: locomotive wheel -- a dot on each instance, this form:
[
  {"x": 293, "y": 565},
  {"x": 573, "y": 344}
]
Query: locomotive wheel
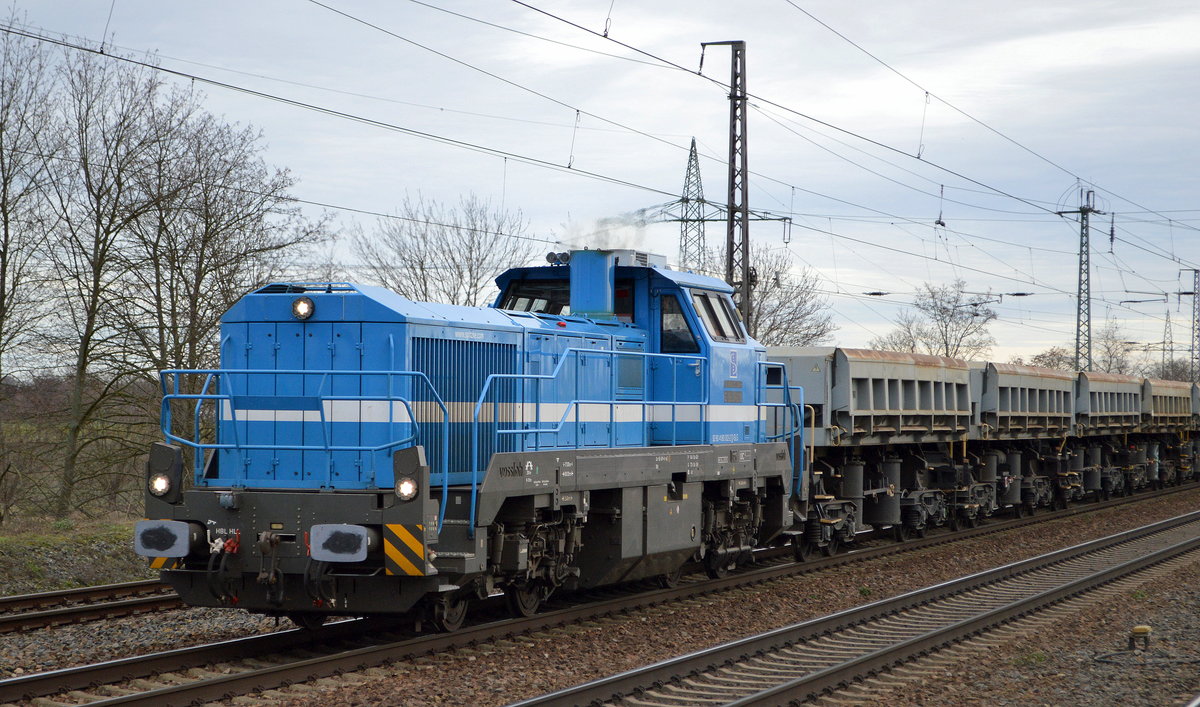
[
  {"x": 670, "y": 580},
  {"x": 901, "y": 532},
  {"x": 1018, "y": 510},
  {"x": 955, "y": 522},
  {"x": 802, "y": 550},
  {"x": 716, "y": 566},
  {"x": 973, "y": 521},
  {"x": 919, "y": 531},
  {"x": 831, "y": 547},
  {"x": 1030, "y": 508},
  {"x": 308, "y": 622},
  {"x": 449, "y": 613},
  {"x": 524, "y": 600}
]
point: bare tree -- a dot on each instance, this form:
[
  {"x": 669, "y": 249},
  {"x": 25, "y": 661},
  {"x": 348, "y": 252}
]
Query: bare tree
[
  {"x": 1111, "y": 353},
  {"x": 222, "y": 224},
  {"x": 788, "y": 311},
  {"x": 1111, "y": 350},
  {"x": 1057, "y": 357},
  {"x": 945, "y": 321},
  {"x": 26, "y": 86},
  {"x": 432, "y": 252},
  {"x": 113, "y": 125},
  {"x": 1173, "y": 369},
  {"x": 140, "y": 218}
]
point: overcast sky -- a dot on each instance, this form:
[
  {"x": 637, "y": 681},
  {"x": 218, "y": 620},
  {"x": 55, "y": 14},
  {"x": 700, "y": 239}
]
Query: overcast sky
[{"x": 1105, "y": 92}]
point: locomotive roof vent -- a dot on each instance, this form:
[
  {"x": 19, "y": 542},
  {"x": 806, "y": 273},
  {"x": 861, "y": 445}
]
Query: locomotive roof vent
[{"x": 637, "y": 257}]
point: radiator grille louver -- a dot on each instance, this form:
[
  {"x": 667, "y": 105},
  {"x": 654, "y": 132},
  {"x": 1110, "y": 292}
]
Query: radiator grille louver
[{"x": 458, "y": 370}]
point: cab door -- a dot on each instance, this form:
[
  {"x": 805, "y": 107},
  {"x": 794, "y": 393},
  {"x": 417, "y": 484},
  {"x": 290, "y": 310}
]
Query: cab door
[{"x": 677, "y": 379}]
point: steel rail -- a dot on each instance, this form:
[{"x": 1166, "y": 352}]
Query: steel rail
[
  {"x": 663, "y": 672},
  {"x": 65, "y": 606},
  {"x": 26, "y": 620},
  {"x": 18, "y": 602}
]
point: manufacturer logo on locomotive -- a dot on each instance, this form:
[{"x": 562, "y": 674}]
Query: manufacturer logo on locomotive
[{"x": 516, "y": 470}]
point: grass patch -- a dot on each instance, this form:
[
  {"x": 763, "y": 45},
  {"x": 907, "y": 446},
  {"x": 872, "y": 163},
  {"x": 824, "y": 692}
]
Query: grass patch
[{"x": 41, "y": 555}]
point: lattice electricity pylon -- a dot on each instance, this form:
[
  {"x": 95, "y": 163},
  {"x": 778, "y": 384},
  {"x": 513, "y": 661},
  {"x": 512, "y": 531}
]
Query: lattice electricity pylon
[
  {"x": 1168, "y": 352},
  {"x": 1083, "y": 315},
  {"x": 693, "y": 252}
]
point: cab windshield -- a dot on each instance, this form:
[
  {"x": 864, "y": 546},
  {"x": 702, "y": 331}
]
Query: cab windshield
[{"x": 554, "y": 297}]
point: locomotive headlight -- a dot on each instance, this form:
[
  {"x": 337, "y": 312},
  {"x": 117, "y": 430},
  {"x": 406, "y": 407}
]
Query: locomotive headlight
[
  {"x": 159, "y": 484},
  {"x": 406, "y": 488},
  {"x": 302, "y": 308}
]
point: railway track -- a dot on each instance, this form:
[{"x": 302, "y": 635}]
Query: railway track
[
  {"x": 801, "y": 662},
  {"x": 66, "y": 606},
  {"x": 220, "y": 670}
]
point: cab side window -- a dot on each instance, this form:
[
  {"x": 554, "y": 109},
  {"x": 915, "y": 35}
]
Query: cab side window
[
  {"x": 718, "y": 316},
  {"x": 677, "y": 337}
]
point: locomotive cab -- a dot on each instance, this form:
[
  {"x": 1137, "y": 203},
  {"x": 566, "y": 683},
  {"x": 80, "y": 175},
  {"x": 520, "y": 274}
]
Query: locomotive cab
[{"x": 682, "y": 313}]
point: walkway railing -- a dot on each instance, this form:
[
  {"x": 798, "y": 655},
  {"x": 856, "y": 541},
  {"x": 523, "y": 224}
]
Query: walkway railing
[{"x": 218, "y": 389}]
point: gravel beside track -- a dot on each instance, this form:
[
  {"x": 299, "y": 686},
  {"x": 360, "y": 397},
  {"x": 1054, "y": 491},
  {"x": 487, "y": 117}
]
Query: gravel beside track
[
  {"x": 67, "y": 646},
  {"x": 500, "y": 673}
]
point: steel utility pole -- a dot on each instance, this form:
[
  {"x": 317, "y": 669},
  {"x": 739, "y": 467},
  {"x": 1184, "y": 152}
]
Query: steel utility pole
[
  {"x": 1195, "y": 345},
  {"x": 738, "y": 272},
  {"x": 1083, "y": 315},
  {"x": 692, "y": 249}
]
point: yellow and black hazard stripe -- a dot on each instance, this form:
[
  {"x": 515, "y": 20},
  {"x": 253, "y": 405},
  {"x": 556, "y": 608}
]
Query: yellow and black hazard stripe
[
  {"x": 404, "y": 553},
  {"x": 165, "y": 563}
]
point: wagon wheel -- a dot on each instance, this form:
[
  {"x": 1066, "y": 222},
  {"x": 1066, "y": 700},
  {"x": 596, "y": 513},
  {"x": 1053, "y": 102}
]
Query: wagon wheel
[
  {"x": 901, "y": 532},
  {"x": 524, "y": 599},
  {"x": 716, "y": 565},
  {"x": 955, "y": 522},
  {"x": 670, "y": 580},
  {"x": 831, "y": 547},
  {"x": 919, "y": 531},
  {"x": 449, "y": 613},
  {"x": 802, "y": 549}
]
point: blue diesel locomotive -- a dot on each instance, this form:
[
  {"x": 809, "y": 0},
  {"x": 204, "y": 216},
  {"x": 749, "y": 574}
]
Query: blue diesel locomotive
[{"x": 607, "y": 419}]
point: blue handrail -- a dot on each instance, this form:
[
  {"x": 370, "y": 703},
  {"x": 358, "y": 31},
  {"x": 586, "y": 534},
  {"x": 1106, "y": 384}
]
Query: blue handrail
[
  {"x": 574, "y": 404},
  {"x": 170, "y": 380},
  {"x": 794, "y": 432}
]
